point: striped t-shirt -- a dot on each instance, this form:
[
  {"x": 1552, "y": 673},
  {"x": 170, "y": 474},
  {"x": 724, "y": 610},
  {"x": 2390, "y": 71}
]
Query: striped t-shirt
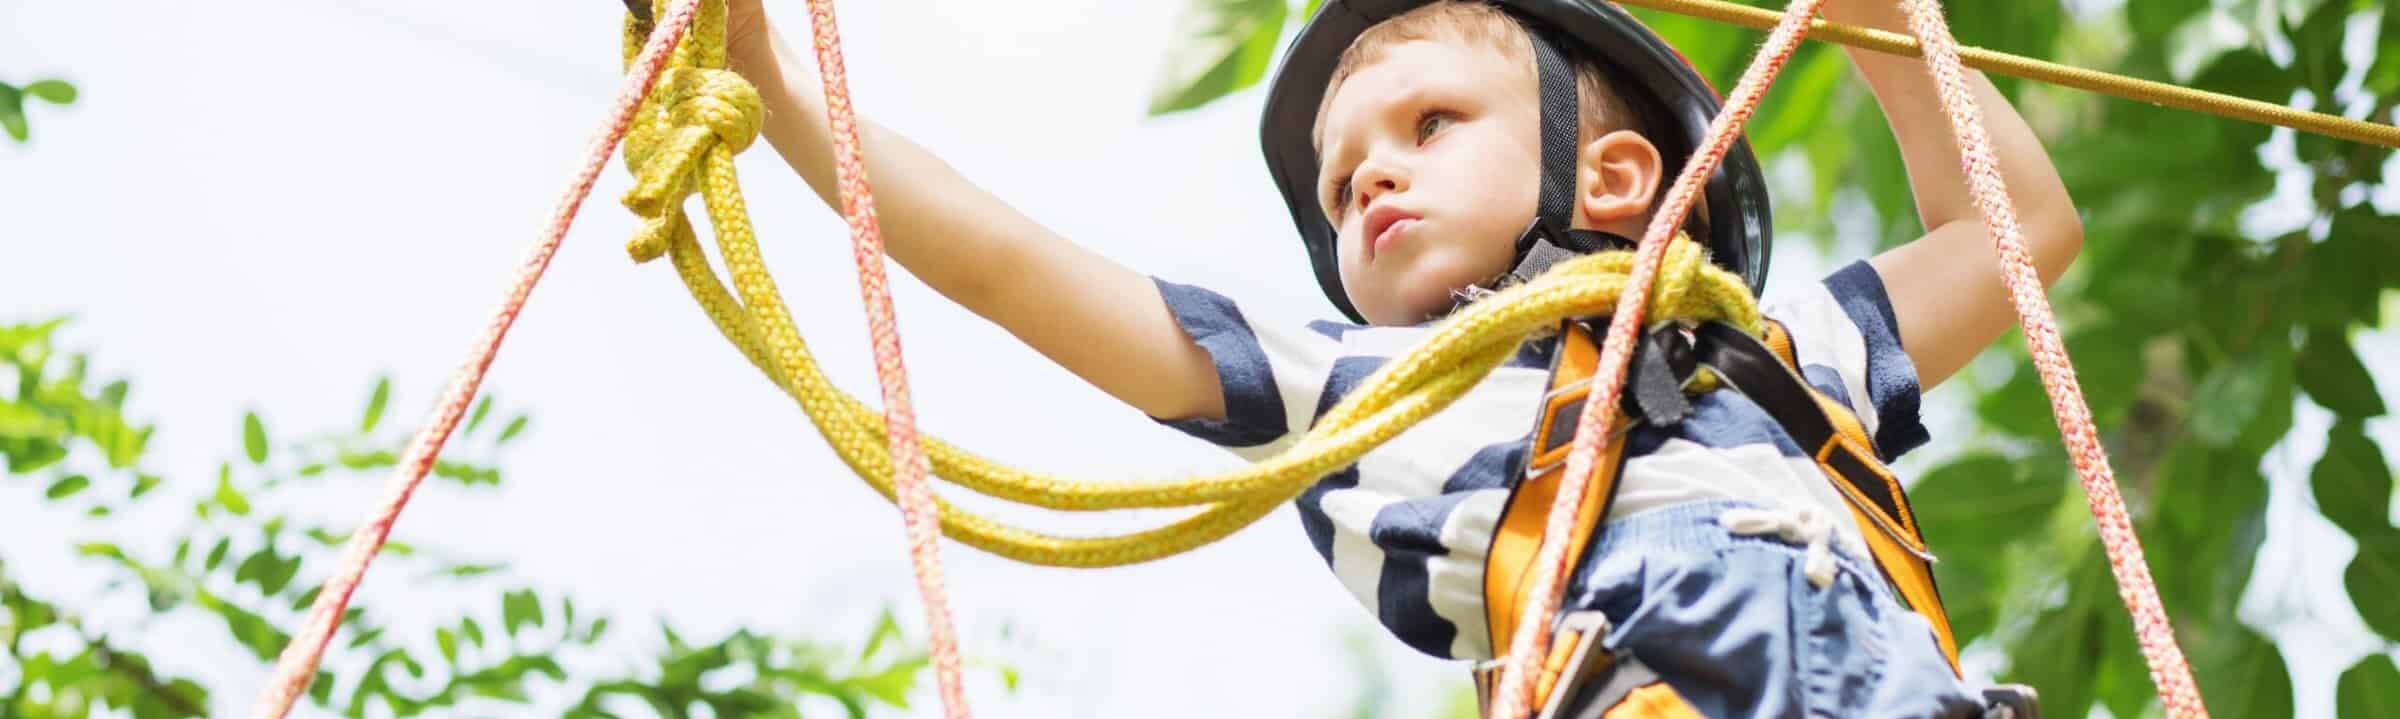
[{"x": 1406, "y": 529}]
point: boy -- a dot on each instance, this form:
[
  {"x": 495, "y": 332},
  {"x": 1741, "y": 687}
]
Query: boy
[{"x": 1416, "y": 142}]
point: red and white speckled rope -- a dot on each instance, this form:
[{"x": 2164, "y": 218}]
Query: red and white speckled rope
[
  {"x": 922, "y": 517},
  {"x": 1532, "y": 640},
  {"x": 2168, "y": 670},
  {"x": 298, "y": 664}
]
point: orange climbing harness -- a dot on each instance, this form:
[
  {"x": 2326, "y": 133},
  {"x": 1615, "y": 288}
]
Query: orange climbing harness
[
  {"x": 1539, "y": 560},
  {"x": 1764, "y": 369}
]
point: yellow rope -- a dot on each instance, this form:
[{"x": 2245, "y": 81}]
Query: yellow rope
[
  {"x": 2131, "y": 88},
  {"x": 684, "y": 141},
  {"x": 687, "y": 133}
]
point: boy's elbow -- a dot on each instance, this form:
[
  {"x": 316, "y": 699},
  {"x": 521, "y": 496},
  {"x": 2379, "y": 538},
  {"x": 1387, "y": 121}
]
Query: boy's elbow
[{"x": 2057, "y": 238}]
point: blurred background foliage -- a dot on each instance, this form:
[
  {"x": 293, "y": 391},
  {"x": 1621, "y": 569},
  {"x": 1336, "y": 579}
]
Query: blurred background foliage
[{"x": 222, "y": 544}]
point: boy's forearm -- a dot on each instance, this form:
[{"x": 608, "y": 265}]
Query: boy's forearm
[
  {"x": 1100, "y": 320},
  {"x": 1946, "y": 287},
  {"x": 1911, "y": 103}
]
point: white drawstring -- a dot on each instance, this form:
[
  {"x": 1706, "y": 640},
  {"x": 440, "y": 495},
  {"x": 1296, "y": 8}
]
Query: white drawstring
[{"x": 1802, "y": 525}]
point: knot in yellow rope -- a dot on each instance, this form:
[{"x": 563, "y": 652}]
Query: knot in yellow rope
[{"x": 698, "y": 115}]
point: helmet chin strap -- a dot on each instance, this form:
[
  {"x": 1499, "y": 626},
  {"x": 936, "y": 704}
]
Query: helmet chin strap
[{"x": 1552, "y": 238}]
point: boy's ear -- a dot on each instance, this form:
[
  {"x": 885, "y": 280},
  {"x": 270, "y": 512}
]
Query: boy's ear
[{"x": 1616, "y": 178}]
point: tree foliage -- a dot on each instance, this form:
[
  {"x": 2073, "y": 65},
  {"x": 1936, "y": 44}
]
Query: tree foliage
[
  {"x": 2195, "y": 332},
  {"x": 13, "y": 101},
  {"x": 221, "y": 544}
]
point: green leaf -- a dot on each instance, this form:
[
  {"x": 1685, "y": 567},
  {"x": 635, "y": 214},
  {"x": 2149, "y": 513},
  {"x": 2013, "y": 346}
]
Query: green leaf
[
  {"x": 2352, "y": 484},
  {"x": 448, "y": 643},
  {"x": 279, "y": 575},
  {"x": 216, "y": 555},
  {"x": 520, "y": 608},
  {"x": 2383, "y": 76},
  {"x": 2374, "y": 577},
  {"x": 57, "y": 92},
  {"x": 228, "y": 497},
  {"x": 2317, "y": 47},
  {"x": 483, "y": 407},
  {"x": 514, "y": 426},
  {"x": 892, "y": 685},
  {"x": 25, "y": 420},
  {"x": 375, "y": 403},
  {"x": 256, "y": 568},
  {"x": 2370, "y": 688},
  {"x": 599, "y": 627},
  {"x": 321, "y": 690},
  {"x": 1222, "y": 46},
  {"x": 12, "y": 119},
  {"x": 254, "y": 438},
  {"x": 472, "y": 630},
  {"x": 2242, "y": 674},
  {"x": 142, "y": 484},
  {"x": 2071, "y": 642},
  {"x": 2332, "y": 375},
  {"x": 1813, "y": 74},
  {"x": 2023, "y": 28},
  {"x": 2157, "y": 18},
  {"x": 113, "y": 395},
  {"x": 28, "y": 455},
  {"x": 473, "y": 570},
  {"x": 2018, "y": 407},
  {"x": 2210, "y": 509},
  {"x": 67, "y": 487},
  {"x": 887, "y": 628},
  {"x": 2229, "y": 399}
]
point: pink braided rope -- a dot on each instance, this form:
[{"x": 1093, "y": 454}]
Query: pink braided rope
[
  {"x": 1531, "y": 642},
  {"x": 2168, "y": 669},
  {"x": 298, "y": 664},
  {"x": 917, "y": 509}
]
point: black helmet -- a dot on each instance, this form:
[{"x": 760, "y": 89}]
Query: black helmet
[{"x": 1645, "y": 69}]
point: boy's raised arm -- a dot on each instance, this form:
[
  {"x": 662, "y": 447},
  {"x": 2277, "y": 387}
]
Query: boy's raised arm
[
  {"x": 1945, "y": 288},
  {"x": 1101, "y": 320}
]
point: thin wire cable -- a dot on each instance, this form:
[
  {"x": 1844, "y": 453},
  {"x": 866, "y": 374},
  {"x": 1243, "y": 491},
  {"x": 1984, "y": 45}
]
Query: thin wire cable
[{"x": 2019, "y": 66}]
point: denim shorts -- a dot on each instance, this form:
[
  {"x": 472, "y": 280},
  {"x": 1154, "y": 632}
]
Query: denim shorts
[{"x": 1734, "y": 624}]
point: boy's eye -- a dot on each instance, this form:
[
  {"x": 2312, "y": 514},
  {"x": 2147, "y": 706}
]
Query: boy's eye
[
  {"x": 1339, "y": 200},
  {"x": 1433, "y": 122}
]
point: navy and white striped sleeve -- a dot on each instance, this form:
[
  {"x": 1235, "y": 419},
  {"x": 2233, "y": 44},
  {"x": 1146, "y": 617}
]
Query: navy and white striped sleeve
[
  {"x": 1848, "y": 344},
  {"x": 1273, "y": 376}
]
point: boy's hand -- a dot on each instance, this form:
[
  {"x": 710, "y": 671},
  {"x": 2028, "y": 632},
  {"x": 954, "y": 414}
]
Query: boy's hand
[{"x": 746, "y": 27}]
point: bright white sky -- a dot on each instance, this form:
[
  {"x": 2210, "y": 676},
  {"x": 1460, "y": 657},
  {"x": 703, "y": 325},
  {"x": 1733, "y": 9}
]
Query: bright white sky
[{"x": 264, "y": 203}]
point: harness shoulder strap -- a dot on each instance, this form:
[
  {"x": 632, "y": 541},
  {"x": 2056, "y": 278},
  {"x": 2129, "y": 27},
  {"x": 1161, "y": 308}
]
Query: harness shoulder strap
[
  {"x": 1764, "y": 370},
  {"x": 1508, "y": 568}
]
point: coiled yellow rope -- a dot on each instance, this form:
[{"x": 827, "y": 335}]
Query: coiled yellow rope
[{"x": 684, "y": 141}]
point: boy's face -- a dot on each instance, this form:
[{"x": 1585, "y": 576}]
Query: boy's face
[{"x": 1429, "y": 174}]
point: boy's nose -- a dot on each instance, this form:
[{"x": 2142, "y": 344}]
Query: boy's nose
[{"x": 1377, "y": 178}]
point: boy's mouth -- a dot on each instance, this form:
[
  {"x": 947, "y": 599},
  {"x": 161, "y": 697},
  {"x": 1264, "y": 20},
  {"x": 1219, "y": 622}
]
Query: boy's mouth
[{"x": 1383, "y": 227}]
